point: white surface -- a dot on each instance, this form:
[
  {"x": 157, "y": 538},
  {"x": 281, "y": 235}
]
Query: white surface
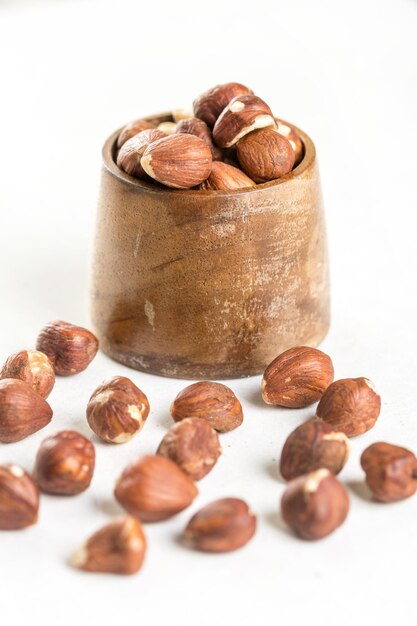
[{"x": 71, "y": 73}]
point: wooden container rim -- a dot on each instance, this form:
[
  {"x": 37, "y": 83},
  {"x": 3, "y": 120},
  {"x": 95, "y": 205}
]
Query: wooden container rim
[{"x": 109, "y": 163}]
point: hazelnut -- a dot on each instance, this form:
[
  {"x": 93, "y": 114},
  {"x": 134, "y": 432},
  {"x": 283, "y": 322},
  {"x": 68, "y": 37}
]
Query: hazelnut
[
  {"x": 19, "y": 498},
  {"x": 117, "y": 548},
  {"x": 22, "y": 410},
  {"x": 154, "y": 488},
  {"x": 312, "y": 446},
  {"x": 64, "y": 464},
  {"x": 117, "y": 410},
  {"x": 33, "y": 367},
  {"x": 211, "y": 103},
  {"x": 132, "y": 151},
  {"x": 242, "y": 115},
  {"x": 193, "y": 445},
  {"x": 222, "y": 526},
  {"x": 181, "y": 114},
  {"x": 265, "y": 155},
  {"x": 132, "y": 129},
  {"x": 315, "y": 504},
  {"x": 213, "y": 402},
  {"x": 168, "y": 128},
  {"x": 294, "y": 140},
  {"x": 225, "y": 177},
  {"x": 179, "y": 161},
  {"x": 70, "y": 348},
  {"x": 350, "y": 405},
  {"x": 194, "y": 126},
  {"x": 391, "y": 471},
  {"x": 297, "y": 377}
]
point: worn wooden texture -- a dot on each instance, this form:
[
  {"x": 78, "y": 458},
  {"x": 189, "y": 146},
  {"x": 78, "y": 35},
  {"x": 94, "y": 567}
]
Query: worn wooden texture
[{"x": 209, "y": 284}]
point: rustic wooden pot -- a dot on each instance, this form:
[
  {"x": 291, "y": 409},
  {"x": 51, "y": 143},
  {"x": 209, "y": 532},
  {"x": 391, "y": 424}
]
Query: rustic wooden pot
[{"x": 209, "y": 284}]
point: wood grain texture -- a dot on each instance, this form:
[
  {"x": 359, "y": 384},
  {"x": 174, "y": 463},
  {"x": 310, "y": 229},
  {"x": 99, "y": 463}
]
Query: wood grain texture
[{"x": 209, "y": 284}]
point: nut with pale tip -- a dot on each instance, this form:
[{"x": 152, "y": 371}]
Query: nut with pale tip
[
  {"x": 210, "y": 401},
  {"x": 168, "y": 127},
  {"x": 19, "y": 498},
  {"x": 132, "y": 129},
  {"x": 265, "y": 155},
  {"x": 294, "y": 139},
  {"x": 22, "y": 410},
  {"x": 391, "y": 471},
  {"x": 221, "y": 526},
  {"x": 211, "y": 103},
  {"x": 117, "y": 548},
  {"x": 132, "y": 151},
  {"x": 154, "y": 488},
  {"x": 70, "y": 348},
  {"x": 297, "y": 378},
  {"x": 193, "y": 445},
  {"x": 350, "y": 405},
  {"x": 117, "y": 410},
  {"x": 194, "y": 126},
  {"x": 33, "y": 367},
  {"x": 315, "y": 504},
  {"x": 243, "y": 115},
  {"x": 224, "y": 177},
  {"x": 64, "y": 464}
]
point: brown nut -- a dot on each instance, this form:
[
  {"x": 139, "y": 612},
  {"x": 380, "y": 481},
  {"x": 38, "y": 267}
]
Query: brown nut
[
  {"x": 70, "y": 348},
  {"x": 64, "y": 464},
  {"x": 179, "y": 161},
  {"x": 132, "y": 129},
  {"x": 154, "y": 488},
  {"x": 33, "y": 367},
  {"x": 194, "y": 126},
  {"x": 19, "y": 498},
  {"x": 242, "y": 115},
  {"x": 117, "y": 548},
  {"x": 391, "y": 471},
  {"x": 22, "y": 410},
  {"x": 295, "y": 141},
  {"x": 315, "y": 504},
  {"x": 312, "y": 446},
  {"x": 213, "y": 402},
  {"x": 193, "y": 445},
  {"x": 181, "y": 114},
  {"x": 350, "y": 405},
  {"x": 211, "y": 103},
  {"x": 265, "y": 155},
  {"x": 132, "y": 151},
  {"x": 168, "y": 128},
  {"x": 117, "y": 410},
  {"x": 297, "y": 377},
  {"x": 226, "y": 177},
  {"x": 222, "y": 526}
]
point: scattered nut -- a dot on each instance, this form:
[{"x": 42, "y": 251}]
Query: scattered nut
[
  {"x": 297, "y": 377},
  {"x": 242, "y": 115},
  {"x": 265, "y": 155},
  {"x": 222, "y": 526},
  {"x": 391, "y": 471},
  {"x": 154, "y": 488},
  {"x": 70, "y": 348},
  {"x": 295, "y": 141},
  {"x": 226, "y": 177},
  {"x": 193, "y": 445},
  {"x": 211, "y": 103},
  {"x": 132, "y": 151},
  {"x": 179, "y": 161},
  {"x": 350, "y": 405},
  {"x": 118, "y": 548},
  {"x": 315, "y": 504},
  {"x": 194, "y": 126},
  {"x": 312, "y": 446},
  {"x": 168, "y": 128},
  {"x": 213, "y": 402},
  {"x": 22, "y": 410},
  {"x": 132, "y": 129},
  {"x": 19, "y": 498},
  {"x": 117, "y": 410},
  {"x": 33, "y": 367},
  {"x": 64, "y": 464}
]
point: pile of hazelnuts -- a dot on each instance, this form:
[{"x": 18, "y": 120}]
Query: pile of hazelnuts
[
  {"x": 158, "y": 486},
  {"x": 229, "y": 141}
]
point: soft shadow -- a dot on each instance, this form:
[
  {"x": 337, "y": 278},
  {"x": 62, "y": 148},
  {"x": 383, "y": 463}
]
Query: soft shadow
[
  {"x": 271, "y": 468},
  {"x": 109, "y": 507},
  {"x": 275, "y": 520},
  {"x": 360, "y": 489},
  {"x": 82, "y": 427},
  {"x": 166, "y": 421},
  {"x": 255, "y": 397}
]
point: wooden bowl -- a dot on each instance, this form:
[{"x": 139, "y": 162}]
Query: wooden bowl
[{"x": 209, "y": 284}]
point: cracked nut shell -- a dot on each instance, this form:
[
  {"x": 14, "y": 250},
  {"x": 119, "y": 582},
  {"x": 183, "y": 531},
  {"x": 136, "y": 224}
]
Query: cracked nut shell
[
  {"x": 132, "y": 129},
  {"x": 70, "y": 348},
  {"x": 132, "y": 151},
  {"x": 391, "y": 471},
  {"x": 350, "y": 405},
  {"x": 242, "y": 115},
  {"x": 211, "y": 103},
  {"x": 265, "y": 155},
  {"x": 22, "y": 410},
  {"x": 19, "y": 498},
  {"x": 226, "y": 177},
  {"x": 33, "y": 367},
  {"x": 65, "y": 464},
  {"x": 154, "y": 488}
]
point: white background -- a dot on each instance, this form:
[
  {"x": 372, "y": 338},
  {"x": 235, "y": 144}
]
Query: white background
[{"x": 72, "y": 72}]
